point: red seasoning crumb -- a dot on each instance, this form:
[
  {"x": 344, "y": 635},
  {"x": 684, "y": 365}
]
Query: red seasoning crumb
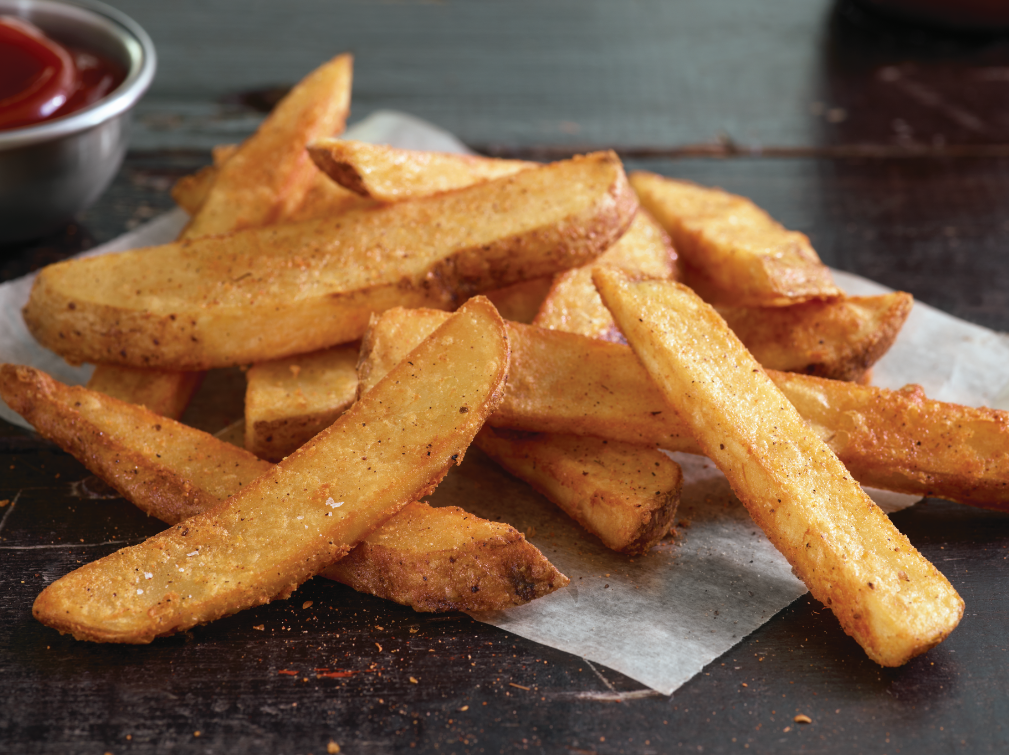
[
  {"x": 325, "y": 673},
  {"x": 288, "y": 672}
]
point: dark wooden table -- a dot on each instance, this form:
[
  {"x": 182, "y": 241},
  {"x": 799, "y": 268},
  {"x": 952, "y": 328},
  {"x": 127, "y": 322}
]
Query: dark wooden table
[{"x": 888, "y": 145}]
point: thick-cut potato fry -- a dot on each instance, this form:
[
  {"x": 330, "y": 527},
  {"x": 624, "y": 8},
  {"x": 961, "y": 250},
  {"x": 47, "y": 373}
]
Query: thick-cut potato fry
[
  {"x": 164, "y": 392},
  {"x": 900, "y": 440},
  {"x": 392, "y": 447},
  {"x": 430, "y": 559},
  {"x": 169, "y": 470},
  {"x": 521, "y": 301},
  {"x": 838, "y": 339},
  {"x": 566, "y": 383},
  {"x": 745, "y": 258},
  {"x": 446, "y": 559},
  {"x": 289, "y": 401},
  {"x": 573, "y": 305},
  {"x": 264, "y": 180},
  {"x": 322, "y": 199},
  {"x": 625, "y": 495},
  {"x": 559, "y": 382},
  {"x": 267, "y": 177},
  {"x": 619, "y": 504},
  {"x": 190, "y": 192},
  {"x": 388, "y": 174},
  {"x": 885, "y": 594},
  {"x": 325, "y": 199},
  {"x": 267, "y": 293}
]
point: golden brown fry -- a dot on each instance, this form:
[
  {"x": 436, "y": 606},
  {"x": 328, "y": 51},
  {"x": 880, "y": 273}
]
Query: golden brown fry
[
  {"x": 164, "y": 392},
  {"x": 430, "y": 559},
  {"x": 265, "y": 179},
  {"x": 190, "y": 192},
  {"x": 289, "y": 401},
  {"x": 267, "y": 293},
  {"x": 268, "y": 176},
  {"x": 324, "y": 199},
  {"x": 838, "y": 339},
  {"x": 169, "y": 470},
  {"x": 619, "y": 504},
  {"x": 390, "y": 448},
  {"x": 565, "y": 383},
  {"x": 388, "y": 174},
  {"x": 521, "y": 301},
  {"x": 574, "y": 306},
  {"x": 446, "y": 559},
  {"x": 559, "y": 382},
  {"x": 885, "y": 594},
  {"x": 744, "y": 257},
  {"x": 221, "y": 153},
  {"x": 625, "y": 495},
  {"x": 900, "y": 440}
]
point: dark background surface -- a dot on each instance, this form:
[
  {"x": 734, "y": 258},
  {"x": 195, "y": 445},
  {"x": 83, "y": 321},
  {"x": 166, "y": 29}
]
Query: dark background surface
[{"x": 887, "y": 144}]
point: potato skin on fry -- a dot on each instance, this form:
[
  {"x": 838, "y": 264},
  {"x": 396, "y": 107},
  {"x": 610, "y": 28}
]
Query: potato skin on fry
[
  {"x": 566, "y": 383},
  {"x": 164, "y": 392},
  {"x": 888, "y": 597},
  {"x": 266, "y": 293},
  {"x": 388, "y": 174},
  {"x": 289, "y": 401},
  {"x": 91, "y": 426},
  {"x": 574, "y": 306},
  {"x": 903, "y": 441},
  {"x": 735, "y": 253},
  {"x": 492, "y": 565},
  {"x": 624, "y": 494},
  {"x": 267, "y": 177},
  {"x": 839, "y": 339},
  {"x": 427, "y": 559},
  {"x": 306, "y": 512}
]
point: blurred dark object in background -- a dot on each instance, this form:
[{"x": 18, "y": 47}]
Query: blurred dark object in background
[
  {"x": 901, "y": 85},
  {"x": 961, "y": 15}
]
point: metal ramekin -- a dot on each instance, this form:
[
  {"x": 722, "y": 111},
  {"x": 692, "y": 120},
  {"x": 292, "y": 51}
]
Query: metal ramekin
[{"x": 50, "y": 171}]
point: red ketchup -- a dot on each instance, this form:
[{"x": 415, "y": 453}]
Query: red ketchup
[{"x": 41, "y": 80}]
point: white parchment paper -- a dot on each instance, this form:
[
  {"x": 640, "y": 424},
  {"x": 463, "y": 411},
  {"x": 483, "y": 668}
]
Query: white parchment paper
[{"x": 661, "y": 617}]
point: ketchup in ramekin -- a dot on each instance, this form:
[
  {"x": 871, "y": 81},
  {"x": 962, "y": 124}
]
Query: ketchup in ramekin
[{"x": 41, "y": 79}]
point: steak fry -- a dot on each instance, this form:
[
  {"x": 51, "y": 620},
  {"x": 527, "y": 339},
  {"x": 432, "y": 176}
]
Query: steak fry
[
  {"x": 734, "y": 252},
  {"x": 304, "y": 514},
  {"x": 388, "y": 174},
  {"x": 266, "y": 293},
  {"x": 885, "y": 594},
  {"x": 429, "y": 559},
  {"x": 566, "y": 383}
]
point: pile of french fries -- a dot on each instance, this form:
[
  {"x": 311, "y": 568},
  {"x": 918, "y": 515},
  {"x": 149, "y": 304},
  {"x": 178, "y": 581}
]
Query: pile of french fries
[{"x": 364, "y": 286}]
